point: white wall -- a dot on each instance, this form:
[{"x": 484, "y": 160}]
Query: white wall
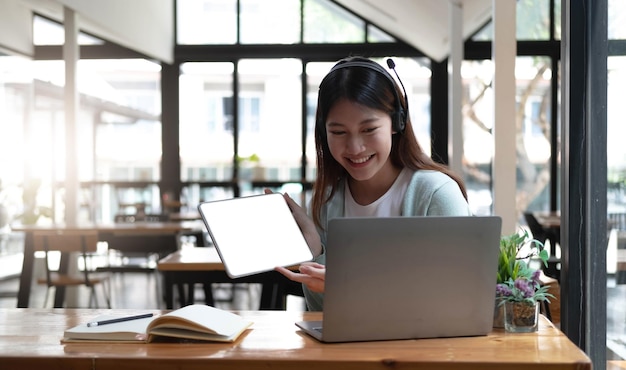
[
  {"x": 16, "y": 28},
  {"x": 143, "y": 25}
]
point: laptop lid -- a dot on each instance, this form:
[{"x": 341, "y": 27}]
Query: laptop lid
[
  {"x": 254, "y": 234},
  {"x": 409, "y": 277}
]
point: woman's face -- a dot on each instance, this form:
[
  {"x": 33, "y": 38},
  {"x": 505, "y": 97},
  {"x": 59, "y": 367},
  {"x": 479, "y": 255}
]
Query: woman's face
[{"x": 359, "y": 139}]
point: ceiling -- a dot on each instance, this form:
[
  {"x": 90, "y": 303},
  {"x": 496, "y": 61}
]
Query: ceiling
[
  {"x": 146, "y": 26},
  {"x": 423, "y": 24}
]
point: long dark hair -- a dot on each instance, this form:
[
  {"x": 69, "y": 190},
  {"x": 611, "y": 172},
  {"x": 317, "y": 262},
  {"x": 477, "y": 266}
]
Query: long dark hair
[{"x": 370, "y": 88}]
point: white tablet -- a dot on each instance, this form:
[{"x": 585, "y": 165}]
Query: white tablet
[{"x": 254, "y": 234}]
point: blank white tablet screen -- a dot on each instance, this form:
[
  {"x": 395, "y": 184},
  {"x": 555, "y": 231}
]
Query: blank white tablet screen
[{"x": 254, "y": 234}]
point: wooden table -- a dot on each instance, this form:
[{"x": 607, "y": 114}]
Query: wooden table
[
  {"x": 105, "y": 232},
  {"x": 203, "y": 265},
  {"x": 30, "y": 339},
  {"x": 184, "y": 216},
  {"x": 549, "y": 219}
]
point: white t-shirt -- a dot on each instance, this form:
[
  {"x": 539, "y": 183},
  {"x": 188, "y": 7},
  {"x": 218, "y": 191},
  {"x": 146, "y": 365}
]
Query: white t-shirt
[{"x": 388, "y": 205}]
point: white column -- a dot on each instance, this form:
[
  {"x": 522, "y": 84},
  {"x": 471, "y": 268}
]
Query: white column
[
  {"x": 455, "y": 88},
  {"x": 70, "y": 56},
  {"x": 505, "y": 160}
]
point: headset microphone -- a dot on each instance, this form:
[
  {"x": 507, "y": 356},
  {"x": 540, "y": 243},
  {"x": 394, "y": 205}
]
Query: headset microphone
[{"x": 392, "y": 65}]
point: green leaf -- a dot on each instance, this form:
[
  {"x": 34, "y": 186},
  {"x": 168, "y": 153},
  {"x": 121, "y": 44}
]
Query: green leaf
[{"x": 544, "y": 256}]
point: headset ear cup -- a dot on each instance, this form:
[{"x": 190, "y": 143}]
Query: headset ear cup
[{"x": 399, "y": 121}]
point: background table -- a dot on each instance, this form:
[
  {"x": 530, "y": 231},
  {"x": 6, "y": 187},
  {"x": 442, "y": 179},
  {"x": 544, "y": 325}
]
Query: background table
[
  {"x": 106, "y": 232},
  {"x": 189, "y": 266},
  {"x": 30, "y": 339}
]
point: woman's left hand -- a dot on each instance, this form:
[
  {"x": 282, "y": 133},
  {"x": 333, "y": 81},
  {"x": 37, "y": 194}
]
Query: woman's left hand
[{"x": 311, "y": 274}]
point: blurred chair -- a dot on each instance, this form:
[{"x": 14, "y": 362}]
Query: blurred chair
[
  {"x": 617, "y": 222},
  {"x": 129, "y": 253},
  {"x": 83, "y": 242},
  {"x": 552, "y": 309},
  {"x": 137, "y": 252}
]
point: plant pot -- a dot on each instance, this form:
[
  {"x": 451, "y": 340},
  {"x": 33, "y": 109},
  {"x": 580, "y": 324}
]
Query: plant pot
[
  {"x": 520, "y": 317},
  {"x": 498, "y": 314}
]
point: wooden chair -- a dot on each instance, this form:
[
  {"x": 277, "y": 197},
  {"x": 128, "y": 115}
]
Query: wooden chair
[
  {"x": 552, "y": 310},
  {"x": 127, "y": 253},
  {"x": 81, "y": 241}
]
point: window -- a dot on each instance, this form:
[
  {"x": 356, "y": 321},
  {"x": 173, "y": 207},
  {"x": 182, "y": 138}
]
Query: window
[
  {"x": 617, "y": 18},
  {"x": 206, "y": 121},
  {"x": 532, "y": 21},
  {"x": 533, "y": 119},
  {"x": 326, "y": 22},
  {"x": 206, "y": 22},
  {"x": 284, "y": 16},
  {"x": 270, "y": 114}
]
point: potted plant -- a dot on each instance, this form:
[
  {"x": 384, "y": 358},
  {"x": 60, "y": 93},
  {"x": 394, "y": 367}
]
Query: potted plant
[
  {"x": 257, "y": 172},
  {"x": 521, "y": 298},
  {"x": 32, "y": 212},
  {"x": 516, "y": 250}
]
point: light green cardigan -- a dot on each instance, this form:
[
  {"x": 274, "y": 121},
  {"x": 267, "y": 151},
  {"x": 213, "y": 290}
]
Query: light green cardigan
[{"x": 430, "y": 193}]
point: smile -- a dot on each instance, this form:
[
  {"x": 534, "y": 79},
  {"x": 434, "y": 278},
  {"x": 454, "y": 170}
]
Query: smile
[{"x": 360, "y": 160}]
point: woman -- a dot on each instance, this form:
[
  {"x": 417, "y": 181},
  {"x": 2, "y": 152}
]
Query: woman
[{"x": 368, "y": 164}]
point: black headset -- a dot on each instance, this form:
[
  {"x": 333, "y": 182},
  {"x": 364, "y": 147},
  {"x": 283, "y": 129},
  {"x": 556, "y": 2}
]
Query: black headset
[{"x": 398, "y": 117}]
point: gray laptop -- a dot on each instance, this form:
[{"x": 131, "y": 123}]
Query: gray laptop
[{"x": 408, "y": 277}]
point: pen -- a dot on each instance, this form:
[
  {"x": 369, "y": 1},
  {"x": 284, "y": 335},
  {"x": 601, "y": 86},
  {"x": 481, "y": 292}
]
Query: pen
[{"x": 121, "y": 319}]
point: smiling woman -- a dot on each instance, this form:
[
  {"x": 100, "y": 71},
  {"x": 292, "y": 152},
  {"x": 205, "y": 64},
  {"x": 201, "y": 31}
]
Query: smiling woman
[{"x": 369, "y": 163}]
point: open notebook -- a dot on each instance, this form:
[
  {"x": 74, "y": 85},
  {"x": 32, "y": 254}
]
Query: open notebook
[
  {"x": 408, "y": 277},
  {"x": 197, "y": 322}
]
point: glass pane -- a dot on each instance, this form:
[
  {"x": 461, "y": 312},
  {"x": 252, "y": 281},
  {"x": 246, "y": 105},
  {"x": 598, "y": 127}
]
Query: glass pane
[
  {"x": 326, "y": 22},
  {"x": 616, "y": 20},
  {"x": 485, "y": 33},
  {"x": 206, "y": 121},
  {"x": 375, "y": 34},
  {"x": 270, "y": 22},
  {"x": 47, "y": 32},
  {"x": 616, "y": 207},
  {"x": 193, "y": 194},
  {"x": 415, "y": 74},
  {"x": 206, "y": 22},
  {"x": 315, "y": 73},
  {"x": 478, "y": 141},
  {"x": 119, "y": 102},
  {"x": 270, "y": 120},
  {"x": 533, "y": 20},
  {"x": 134, "y": 85},
  {"x": 557, "y": 19},
  {"x": 533, "y": 76},
  {"x": 533, "y": 131},
  {"x": 15, "y": 83}
]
